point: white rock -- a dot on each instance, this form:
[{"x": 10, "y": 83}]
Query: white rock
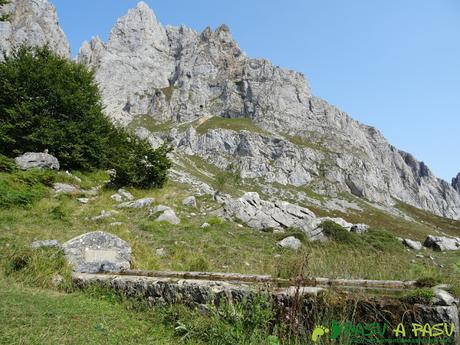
[
  {"x": 290, "y": 242},
  {"x": 189, "y": 201},
  {"x": 32, "y": 160},
  {"x": 140, "y": 203},
  {"x": 416, "y": 245},
  {"x": 168, "y": 216},
  {"x": 64, "y": 188}
]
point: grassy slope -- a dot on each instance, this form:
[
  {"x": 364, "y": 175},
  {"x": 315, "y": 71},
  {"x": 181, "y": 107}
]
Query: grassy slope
[
  {"x": 31, "y": 315},
  {"x": 35, "y": 316}
]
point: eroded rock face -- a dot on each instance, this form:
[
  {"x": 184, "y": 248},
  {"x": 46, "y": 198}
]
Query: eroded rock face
[
  {"x": 32, "y": 160},
  {"x": 33, "y": 23},
  {"x": 177, "y": 74},
  {"x": 456, "y": 182},
  {"x": 96, "y": 252}
]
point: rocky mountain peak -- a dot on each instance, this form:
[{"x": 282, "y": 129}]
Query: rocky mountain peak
[
  {"x": 34, "y": 23},
  {"x": 138, "y": 29}
]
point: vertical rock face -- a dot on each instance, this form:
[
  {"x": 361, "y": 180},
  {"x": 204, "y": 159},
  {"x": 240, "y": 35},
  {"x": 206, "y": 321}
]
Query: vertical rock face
[
  {"x": 178, "y": 75},
  {"x": 33, "y": 23},
  {"x": 456, "y": 182}
]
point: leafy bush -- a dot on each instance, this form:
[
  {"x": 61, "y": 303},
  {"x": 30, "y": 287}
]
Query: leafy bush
[
  {"x": 338, "y": 233},
  {"x": 138, "y": 164},
  {"x": 49, "y": 102},
  {"x": 6, "y": 164}
]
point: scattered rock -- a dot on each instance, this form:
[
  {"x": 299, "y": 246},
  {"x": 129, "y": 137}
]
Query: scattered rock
[
  {"x": 46, "y": 244},
  {"x": 359, "y": 228},
  {"x": 290, "y": 242},
  {"x": 415, "y": 245},
  {"x": 116, "y": 224},
  {"x": 419, "y": 256},
  {"x": 83, "y": 200},
  {"x": 116, "y": 197},
  {"x": 441, "y": 243},
  {"x": 168, "y": 216},
  {"x": 91, "y": 192},
  {"x": 64, "y": 188},
  {"x": 189, "y": 201},
  {"x": 31, "y": 160},
  {"x": 161, "y": 252},
  {"x": 96, "y": 252},
  {"x": 122, "y": 195},
  {"x": 140, "y": 203},
  {"x": 205, "y": 225},
  {"x": 444, "y": 298},
  {"x": 57, "y": 280},
  {"x": 159, "y": 208},
  {"x": 105, "y": 214}
]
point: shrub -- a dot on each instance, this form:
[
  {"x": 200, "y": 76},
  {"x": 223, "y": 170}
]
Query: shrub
[
  {"x": 49, "y": 102},
  {"x": 337, "y": 233},
  {"x": 6, "y": 164},
  {"x": 136, "y": 163}
]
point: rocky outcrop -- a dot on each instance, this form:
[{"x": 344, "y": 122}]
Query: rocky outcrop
[
  {"x": 32, "y": 160},
  {"x": 139, "y": 203},
  {"x": 260, "y": 214},
  {"x": 177, "y": 75},
  {"x": 456, "y": 182},
  {"x": 97, "y": 252},
  {"x": 33, "y": 23},
  {"x": 441, "y": 243}
]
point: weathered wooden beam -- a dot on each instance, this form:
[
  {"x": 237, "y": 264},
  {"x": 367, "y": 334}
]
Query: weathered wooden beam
[{"x": 254, "y": 278}]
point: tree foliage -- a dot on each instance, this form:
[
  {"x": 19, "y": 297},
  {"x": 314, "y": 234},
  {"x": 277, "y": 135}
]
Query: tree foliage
[
  {"x": 4, "y": 17},
  {"x": 49, "y": 102}
]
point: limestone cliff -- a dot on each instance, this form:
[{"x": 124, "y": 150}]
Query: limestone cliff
[
  {"x": 34, "y": 23},
  {"x": 179, "y": 75}
]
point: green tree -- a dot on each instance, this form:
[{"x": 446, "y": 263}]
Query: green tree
[
  {"x": 4, "y": 17},
  {"x": 49, "y": 102}
]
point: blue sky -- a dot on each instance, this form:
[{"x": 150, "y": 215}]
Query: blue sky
[{"x": 392, "y": 64}]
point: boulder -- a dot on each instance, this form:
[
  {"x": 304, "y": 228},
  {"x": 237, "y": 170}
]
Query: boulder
[
  {"x": 140, "y": 203},
  {"x": 31, "y": 160},
  {"x": 441, "y": 243},
  {"x": 205, "y": 225},
  {"x": 64, "y": 188},
  {"x": 168, "y": 216},
  {"x": 122, "y": 195},
  {"x": 46, "y": 244},
  {"x": 83, "y": 200},
  {"x": 105, "y": 214},
  {"x": 189, "y": 201},
  {"x": 96, "y": 252},
  {"x": 359, "y": 228},
  {"x": 290, "y": 242},
  {"x": 415, "y": 245}
]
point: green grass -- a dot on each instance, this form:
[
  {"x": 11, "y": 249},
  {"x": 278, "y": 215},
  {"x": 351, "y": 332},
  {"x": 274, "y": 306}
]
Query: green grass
[
  {"x": 35, "y": 316},
  {"x": 238, "y": 124},
  {"x": 32, "y": 308},
  {"x": 148, "y": 122},
  {"x": 307, "y": 143}
]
